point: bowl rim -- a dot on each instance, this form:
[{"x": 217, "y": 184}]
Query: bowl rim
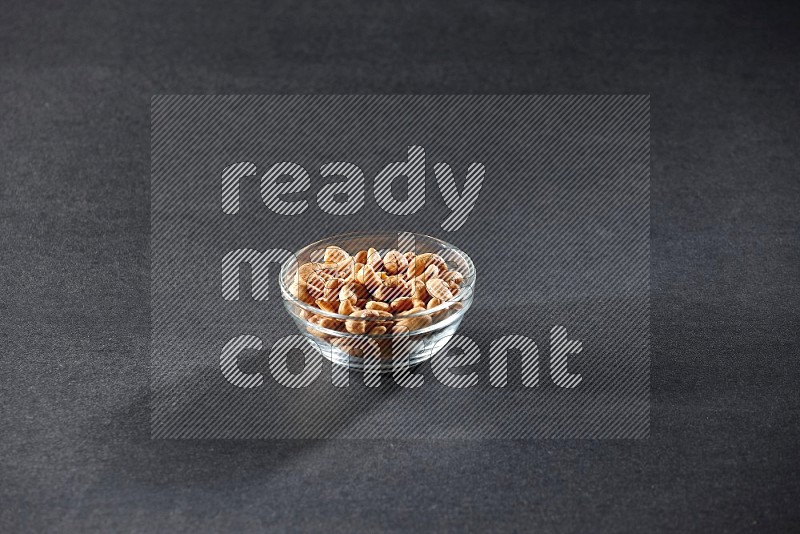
[{"x": 292, "y": 262}]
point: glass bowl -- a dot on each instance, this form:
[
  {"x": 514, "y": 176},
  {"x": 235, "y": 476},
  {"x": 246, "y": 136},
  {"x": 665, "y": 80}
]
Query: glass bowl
[{"x": 409, "y": 339}]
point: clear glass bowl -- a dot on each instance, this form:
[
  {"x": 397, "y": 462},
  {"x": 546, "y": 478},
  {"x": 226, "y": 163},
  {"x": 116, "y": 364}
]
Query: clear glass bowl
[{"x": 386, "y": 352}]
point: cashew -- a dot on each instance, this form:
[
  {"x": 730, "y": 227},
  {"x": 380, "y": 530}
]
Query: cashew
[
  {"x": 402, "y": 304},
  {"x": 307, "y": 269},
  {"x": 431, "y": 272},
  {"x": 300, "y": 292},
  {"x": 415, "y": 323},
  {"x": 453, "y": 277},
  {"x": 380, "y": 306},
  {"x": 354, "y": 291},
  {"x": 438, "y": 288},
  {"x": 337, "y": 257},
  {"x": 454, "y": 288},
  {"x": 332, "y": 289},
  {"x": 330, "y": 306},
  {"x": 394, "y": 262},
  {"x": 355, "y": 326},
  {"x": 437, "y": 315},
  {"x": 421, "y": 262},
  {"x": 346, "y": 307},
  {"x": 371, "y": 279},
  {"x": 419, "y": 290},
  {"x": 323, "y": 322},
  {"x": 392, "y": 289},
  {"x": 374, "y": 259},
  {"x": 400, "y": 329},
  {"x": 315, "y": 286}
]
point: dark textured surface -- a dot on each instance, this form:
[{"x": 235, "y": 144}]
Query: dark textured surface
[
  {"x": 75, "y": 87},
  {"x": 569, "y": 190}
]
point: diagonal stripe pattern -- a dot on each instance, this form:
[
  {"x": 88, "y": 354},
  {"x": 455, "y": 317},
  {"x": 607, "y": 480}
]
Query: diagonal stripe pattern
[{"x": 555, "y": 196}]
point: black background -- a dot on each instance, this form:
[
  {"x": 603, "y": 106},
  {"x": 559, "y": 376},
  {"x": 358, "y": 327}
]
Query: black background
[{"x": 75, "y": 88}]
